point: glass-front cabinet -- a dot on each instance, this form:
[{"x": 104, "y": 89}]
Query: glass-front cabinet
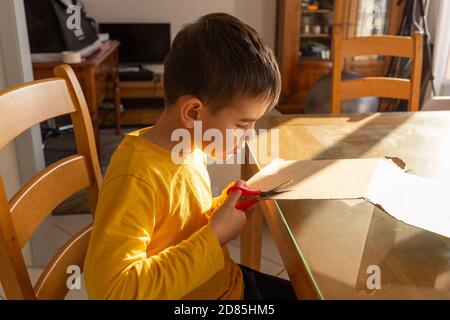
[
  {"x": 315, "y": 30},
  {"x": 363, "y": 18},
  {"x": 304, "y": 41}
]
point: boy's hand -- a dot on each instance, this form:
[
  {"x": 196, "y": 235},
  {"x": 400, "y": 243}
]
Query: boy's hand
[
  {"x": 227, "y": 221},
  {"x": 242, "y": 183}
]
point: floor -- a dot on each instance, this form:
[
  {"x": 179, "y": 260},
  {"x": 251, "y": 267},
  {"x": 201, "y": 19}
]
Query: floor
[{"x": 66, "y": 225}]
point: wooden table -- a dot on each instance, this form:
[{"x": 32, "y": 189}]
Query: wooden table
[
  {"x": 330, "y": 248},
  {"x": 93, "y": 73}
]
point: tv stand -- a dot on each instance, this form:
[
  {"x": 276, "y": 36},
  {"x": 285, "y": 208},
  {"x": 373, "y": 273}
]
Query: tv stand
[
  {"x": 140, "y": 90},
  {"x": 135, "y": 73},
  {"x": 95, "y": 74}
]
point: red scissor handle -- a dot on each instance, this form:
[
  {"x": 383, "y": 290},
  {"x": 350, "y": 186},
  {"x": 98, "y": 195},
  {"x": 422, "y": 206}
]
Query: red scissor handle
[
  {"x": 245, "y": 191},
  {"x": 244, "y": 205}
]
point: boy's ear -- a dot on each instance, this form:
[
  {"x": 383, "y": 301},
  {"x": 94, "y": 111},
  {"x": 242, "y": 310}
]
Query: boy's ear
[{"x": 189, "y": 111}]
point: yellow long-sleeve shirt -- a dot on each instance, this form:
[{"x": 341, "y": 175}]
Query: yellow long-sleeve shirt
[{"x": 150, "y": 238}]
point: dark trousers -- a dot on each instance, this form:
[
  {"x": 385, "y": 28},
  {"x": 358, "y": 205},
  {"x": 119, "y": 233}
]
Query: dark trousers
[{"x": 261, "y": 286}]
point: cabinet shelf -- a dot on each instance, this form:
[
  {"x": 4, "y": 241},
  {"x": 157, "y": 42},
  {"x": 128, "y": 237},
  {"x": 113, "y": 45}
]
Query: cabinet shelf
[
  {"x": 320, "y": 11},
  {"x": 324, "y": 35}
]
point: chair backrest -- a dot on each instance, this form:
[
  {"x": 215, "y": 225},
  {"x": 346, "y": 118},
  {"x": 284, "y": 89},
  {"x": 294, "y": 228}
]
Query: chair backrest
[
  {"x": 22, "y": 107},
  {"x": 383, "y": 87}
]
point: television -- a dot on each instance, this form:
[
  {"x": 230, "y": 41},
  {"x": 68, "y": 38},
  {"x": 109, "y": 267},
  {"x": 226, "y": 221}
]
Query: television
[{"x": 141, "y": 43}]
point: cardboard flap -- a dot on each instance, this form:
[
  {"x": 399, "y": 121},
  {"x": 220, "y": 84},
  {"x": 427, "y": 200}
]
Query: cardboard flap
[
  {"x": 414, "y": 200},
  {"x": 319, "y": 179},
  {"x": 385, "y": 189}
]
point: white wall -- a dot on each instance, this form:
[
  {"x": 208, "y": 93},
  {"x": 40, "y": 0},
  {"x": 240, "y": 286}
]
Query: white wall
[
  {"x": 439, "y": 29},
  {"x": 9, "y": 169},
  {"x": 9, "y": 164},
  {"x": 260, "y": 14},
  {"x": 438, "y": 25},
  {"x": 20, "y": 160}
]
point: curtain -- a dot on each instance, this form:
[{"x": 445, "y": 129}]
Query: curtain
[{"x": 440, "y": 11}]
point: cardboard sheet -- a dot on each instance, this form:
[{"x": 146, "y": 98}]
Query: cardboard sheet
[{"x": 415, "y": 200}]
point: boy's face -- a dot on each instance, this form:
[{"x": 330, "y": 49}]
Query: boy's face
[{"x": 232, "y": 120}]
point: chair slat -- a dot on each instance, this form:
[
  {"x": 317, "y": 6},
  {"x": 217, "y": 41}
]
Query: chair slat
[
  {"x": 376, "y": 87},
  {"x": 32, "y": 204},
  {"x": 83, "y": 131},
  {"x": 392, "y": 46},
  {"x": 32, "y": 103},
  {"x": 386, "y": 45},
  {"x": 52, "y": 284},
  {"x": 22, "y": 107}
]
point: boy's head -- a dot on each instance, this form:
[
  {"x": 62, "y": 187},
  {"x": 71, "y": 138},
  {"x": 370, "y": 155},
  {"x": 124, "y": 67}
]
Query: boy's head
[{"x": 220, "y": 72}]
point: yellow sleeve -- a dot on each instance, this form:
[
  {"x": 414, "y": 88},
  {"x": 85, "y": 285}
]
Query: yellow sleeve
[
  {"x": 217, "y": 201},
  {"x": 117, "y": 266}
]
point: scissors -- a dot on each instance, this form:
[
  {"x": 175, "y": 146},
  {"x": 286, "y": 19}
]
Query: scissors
[{"x": 252, "y": 196}]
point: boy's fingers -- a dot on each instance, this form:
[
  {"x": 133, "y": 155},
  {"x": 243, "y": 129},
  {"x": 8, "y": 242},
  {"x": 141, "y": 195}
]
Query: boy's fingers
[
  {"x": 233, "y": 198},
  {"x": 240, "y": 183},
  {"x": 243, "y": 214},
  {"x": 249, "y": 211}
]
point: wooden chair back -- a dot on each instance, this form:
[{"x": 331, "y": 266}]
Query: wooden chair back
[
  {"x": 383, "y": 87},
  {"x": 22, "y": 107}
]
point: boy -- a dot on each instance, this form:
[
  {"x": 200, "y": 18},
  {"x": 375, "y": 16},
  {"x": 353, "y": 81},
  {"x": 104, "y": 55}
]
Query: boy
[{"x": 158, "y": 234}]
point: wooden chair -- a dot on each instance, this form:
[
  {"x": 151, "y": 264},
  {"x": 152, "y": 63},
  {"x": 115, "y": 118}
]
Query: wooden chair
[
  {"x": 22, "y": 107},
  {"x": 383, "y": 87}
]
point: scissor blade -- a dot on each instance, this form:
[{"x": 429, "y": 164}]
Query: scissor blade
[
  {"x": 269, "y": 195},
  {"x": 276, "y": 189},
  {"x": 281, "y": 185}
]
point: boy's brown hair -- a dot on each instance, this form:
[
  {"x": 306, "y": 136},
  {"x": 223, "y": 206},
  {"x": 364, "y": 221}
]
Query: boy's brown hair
[{"x": 218, "y": 58}]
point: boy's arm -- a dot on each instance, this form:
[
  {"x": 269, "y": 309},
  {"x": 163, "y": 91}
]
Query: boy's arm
[
  {"x": 119, "y": 266},
  {"x": 217, "y": 201}
]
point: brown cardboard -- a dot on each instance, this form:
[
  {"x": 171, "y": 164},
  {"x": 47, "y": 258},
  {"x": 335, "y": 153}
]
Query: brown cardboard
[{"x": 414, "y": 200}]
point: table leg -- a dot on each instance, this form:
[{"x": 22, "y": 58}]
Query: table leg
[
  {"x": 251, "y": 235},
  {"x": 94, "y": 118},
  {"x": 251, "y": 240},
  {"x": 117, "y": 105},
  {"x": 116, "y": 92}
]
